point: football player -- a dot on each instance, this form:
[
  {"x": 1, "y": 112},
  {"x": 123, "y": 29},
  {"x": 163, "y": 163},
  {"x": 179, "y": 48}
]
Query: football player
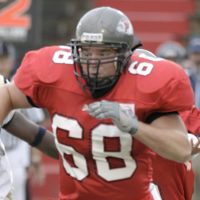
[
  {"x": 18, "y": 125},
  {"x": 172, "y": 50},
  {"x": 101, "y": 96}
]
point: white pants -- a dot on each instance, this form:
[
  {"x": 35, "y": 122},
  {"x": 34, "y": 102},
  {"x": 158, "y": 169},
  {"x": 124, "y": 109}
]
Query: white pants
[
  {"x": 5, "y": 177},
  {"x": 19, "y": 184}
]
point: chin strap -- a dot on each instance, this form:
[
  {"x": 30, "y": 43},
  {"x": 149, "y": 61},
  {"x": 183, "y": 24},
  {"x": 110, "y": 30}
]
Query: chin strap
[{"x": 136, "y": 44}]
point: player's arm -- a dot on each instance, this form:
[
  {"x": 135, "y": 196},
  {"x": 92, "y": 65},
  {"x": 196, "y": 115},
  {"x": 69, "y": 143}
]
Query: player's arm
[
  {"x": 166, "y": 135},
  {"x": 191, "y": 120},
  {"x": 32, "y": 133},
  {"x": 11, "y": 98}
]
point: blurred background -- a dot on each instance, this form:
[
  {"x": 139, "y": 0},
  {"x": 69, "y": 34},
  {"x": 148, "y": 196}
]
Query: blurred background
[
  {"x": 31, "y": 24},
  {"x": 28, "y": 24}
]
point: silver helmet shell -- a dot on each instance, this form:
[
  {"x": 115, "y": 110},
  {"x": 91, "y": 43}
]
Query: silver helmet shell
[{"x": 103, "y": 27}]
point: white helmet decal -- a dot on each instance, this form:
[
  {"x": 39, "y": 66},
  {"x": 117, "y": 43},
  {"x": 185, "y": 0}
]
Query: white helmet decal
[{"x": 124, "y": 26}]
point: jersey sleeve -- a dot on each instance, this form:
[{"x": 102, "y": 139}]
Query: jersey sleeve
[
  {"x": 191, "y": 119},
  {"x": 165, "y": 85},
  {"x": 33, "y": 74},
  {"x": 25, "y": 79},
  {"x": 178, "y": 94}
]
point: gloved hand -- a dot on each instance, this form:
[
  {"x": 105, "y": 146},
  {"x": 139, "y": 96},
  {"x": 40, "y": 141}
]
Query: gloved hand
[
  {"x": 195, "y": 143},
  {"x": 124, "y": 119}
]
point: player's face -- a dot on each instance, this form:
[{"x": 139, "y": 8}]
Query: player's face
[{"x": 98, "y": 62}]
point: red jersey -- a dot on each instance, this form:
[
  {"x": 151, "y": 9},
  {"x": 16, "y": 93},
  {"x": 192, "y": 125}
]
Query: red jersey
[
  {"x": 180, "y": 186},
  {"x": 101, "y": 161},
  {"x": 174, "y": 180},
  {"x": 191, "y": 119}
]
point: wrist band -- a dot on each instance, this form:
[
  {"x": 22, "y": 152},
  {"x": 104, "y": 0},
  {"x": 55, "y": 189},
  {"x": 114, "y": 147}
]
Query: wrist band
[{"x": 39, "y": 137}]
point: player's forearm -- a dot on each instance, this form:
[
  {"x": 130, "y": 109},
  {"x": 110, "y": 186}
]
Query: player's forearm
[
  {"x": 22, "y": 128},
  {"x": 47, "y": 146},
  {"x": 26, "y": 130},
  {"x": 168, "y": 143}
]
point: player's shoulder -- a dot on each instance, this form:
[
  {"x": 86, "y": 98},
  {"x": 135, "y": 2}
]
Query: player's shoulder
[
  {"x": 154, "y": 71},
  {"x": 47, "y": 64},
  {"x": 158, "y": 82},
  {"x": 146, "y": 58},
  {"x": 48, "y": 54}
]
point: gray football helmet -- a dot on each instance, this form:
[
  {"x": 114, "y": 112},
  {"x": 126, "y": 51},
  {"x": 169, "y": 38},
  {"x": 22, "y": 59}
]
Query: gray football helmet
[
  {"x": 103, "y": 27},
  {"x": 171, "y": 50}
]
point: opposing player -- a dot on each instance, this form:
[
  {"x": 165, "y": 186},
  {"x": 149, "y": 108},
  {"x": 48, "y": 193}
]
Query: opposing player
[
  {"x": 172, "y": 50},
  {"x": 104, "y": 142},
  {"x": 19, "y": 126}
]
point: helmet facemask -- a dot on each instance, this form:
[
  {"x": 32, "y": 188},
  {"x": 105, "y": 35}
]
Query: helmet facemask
[
  {"x": 87, "y": 68},
  {"x": 107, "y": 34}
]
